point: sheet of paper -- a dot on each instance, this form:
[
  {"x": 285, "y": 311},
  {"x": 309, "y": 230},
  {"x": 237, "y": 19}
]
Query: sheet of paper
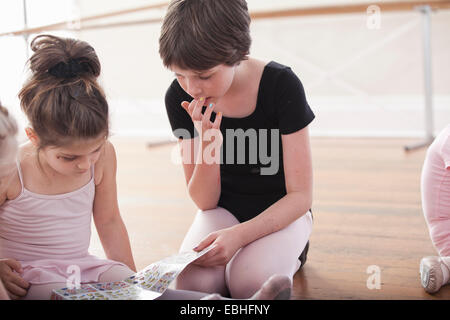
[{"x": 147, "y": 284}]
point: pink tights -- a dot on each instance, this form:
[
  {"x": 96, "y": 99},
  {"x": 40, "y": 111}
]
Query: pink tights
[
  {"x": 252, "y": 265},
  {"x": 435, "y": 189}
]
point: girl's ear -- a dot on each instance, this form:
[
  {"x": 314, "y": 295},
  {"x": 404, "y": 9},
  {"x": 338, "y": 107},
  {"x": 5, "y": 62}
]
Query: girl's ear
[{"x": 31, "y": 134}]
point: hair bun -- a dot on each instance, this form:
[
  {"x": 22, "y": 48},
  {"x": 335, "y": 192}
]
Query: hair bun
[
  {"x": 71, "y": 69},
  {"x": 63, "y": 58}
]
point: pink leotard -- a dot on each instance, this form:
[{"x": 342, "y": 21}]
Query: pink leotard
[{"x": 50, "y": 235}]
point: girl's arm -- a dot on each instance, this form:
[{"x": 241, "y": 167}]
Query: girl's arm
[
  {"x": 200, "y": 163},
  {"x": 202, "y": 179},
  {"x": 10, "y": 186},
  {"x": 110, "y": 227},
  {"x": 13, "y": 285},
  {"x": 298, "y": 200}
]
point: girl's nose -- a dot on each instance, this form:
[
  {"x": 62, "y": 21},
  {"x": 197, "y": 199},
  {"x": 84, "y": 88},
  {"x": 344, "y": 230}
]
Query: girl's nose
[
  {"x": 84, "y": 165},
  {"x": 193, "y": 89}
]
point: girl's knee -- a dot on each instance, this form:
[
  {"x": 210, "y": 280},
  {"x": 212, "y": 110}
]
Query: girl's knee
[
  {"x": 217, "y": 216},
  {"x": 42, "y": 291}
]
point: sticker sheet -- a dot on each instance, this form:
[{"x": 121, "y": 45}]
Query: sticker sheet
[{"x": 147, "y": 284}]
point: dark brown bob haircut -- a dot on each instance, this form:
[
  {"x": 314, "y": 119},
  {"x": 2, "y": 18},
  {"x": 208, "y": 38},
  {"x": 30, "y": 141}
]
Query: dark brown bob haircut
[
  {"x": 62, "y": 99},
  {"x": 201, "y": 34}
]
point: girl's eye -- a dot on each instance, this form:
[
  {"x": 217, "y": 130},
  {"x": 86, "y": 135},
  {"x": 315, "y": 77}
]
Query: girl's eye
[{"x": 66, "y": 158}]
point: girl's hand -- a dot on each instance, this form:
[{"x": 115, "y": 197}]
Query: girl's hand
[
  {"x": 3, "y": 294},
  {"x": 15, "y": 285},
  {"x": 225, "y": 243},
  {"x": 201, "y": 121}
]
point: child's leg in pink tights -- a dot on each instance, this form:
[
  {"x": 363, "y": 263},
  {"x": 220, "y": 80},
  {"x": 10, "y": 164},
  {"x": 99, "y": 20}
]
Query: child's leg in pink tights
[
  {"x": 435, "y": 189},
  {"x": 211, "y": 280},
  {"x": 44, "y": 291},
  {"x": 276, "y": 253},
  {"x": 115, "y": 273}
]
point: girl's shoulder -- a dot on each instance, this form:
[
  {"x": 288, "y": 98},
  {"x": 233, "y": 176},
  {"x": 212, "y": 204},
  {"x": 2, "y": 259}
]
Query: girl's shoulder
[
  {"x": 106, "y": 163},
  {"x": 255, "y": 68},
  {"x": 275, "y": 77},
  {"x": 14, "y": 187}
]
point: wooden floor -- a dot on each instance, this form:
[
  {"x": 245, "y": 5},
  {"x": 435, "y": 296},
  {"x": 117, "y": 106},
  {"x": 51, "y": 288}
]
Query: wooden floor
[{"x": 367, "y": 212}]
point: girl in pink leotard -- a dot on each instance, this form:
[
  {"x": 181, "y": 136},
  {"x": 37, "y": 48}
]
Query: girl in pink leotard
[
  {"x": 64, "y": 176},
  {"x": 435, "y": 185},
  {"x": 8, "y": 152}
]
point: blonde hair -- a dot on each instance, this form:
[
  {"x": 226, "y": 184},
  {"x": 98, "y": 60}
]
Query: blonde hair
[{"x": 8, "y": 132}]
